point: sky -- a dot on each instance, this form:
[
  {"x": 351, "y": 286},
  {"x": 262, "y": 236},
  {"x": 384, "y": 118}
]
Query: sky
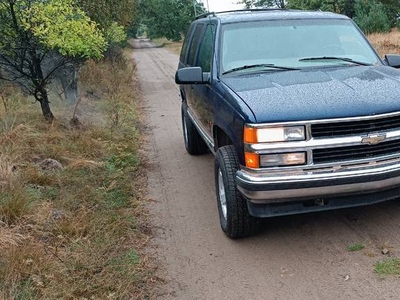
[{"x": 221, "y": 5}]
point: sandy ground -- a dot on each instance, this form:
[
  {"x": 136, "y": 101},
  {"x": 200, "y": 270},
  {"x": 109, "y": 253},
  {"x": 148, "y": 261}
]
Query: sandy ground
[{"x": 298, "y": 257}]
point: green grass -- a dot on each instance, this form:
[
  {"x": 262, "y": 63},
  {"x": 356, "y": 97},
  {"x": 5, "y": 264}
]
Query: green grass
[
  {"x": 355, "y": 247},
  {"x": 389, "y": 266}
]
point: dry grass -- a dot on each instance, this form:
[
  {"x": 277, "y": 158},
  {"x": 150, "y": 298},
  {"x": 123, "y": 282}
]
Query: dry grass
[
  {"x": 386, "y": 43},
  {"x": 174, "y": 47},
  {"x": 78, "y": 232}
]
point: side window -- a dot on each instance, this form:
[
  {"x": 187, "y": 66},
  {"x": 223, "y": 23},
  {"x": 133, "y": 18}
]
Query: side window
[
  {"x": 206, "y": 49},
  {"x": 186, "y": 44},
  {"x": 195, "y": 44}
]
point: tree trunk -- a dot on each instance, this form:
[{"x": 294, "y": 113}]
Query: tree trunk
[{"x": 45, "y": 105}]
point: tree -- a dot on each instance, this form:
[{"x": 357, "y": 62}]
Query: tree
[
  {"x": 106, "y": 12},
  {"x": 169, "y": 18},
  {"x": 371, "y": 16},
  {"x": 33, "y": 33}
]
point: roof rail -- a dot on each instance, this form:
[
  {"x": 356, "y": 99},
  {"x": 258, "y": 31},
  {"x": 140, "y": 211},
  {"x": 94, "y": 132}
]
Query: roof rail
[{"x": 205, "y": 15}]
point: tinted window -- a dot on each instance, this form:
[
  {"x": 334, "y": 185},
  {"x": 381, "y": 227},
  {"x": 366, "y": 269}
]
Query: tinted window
[
  {"x": 186, "y": 44},
  {"x": 206, "y": 49},
  {"x": 195, "y": 44}
]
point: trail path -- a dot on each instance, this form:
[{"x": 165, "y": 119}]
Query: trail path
[{"x": 300, "y": 257}]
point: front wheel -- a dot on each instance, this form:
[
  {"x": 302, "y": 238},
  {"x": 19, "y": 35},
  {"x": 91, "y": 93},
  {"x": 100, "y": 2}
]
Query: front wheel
[{"x": 234, "y": 216}]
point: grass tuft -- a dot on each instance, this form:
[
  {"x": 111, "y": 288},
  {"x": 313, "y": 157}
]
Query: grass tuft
[
  {"x": 355, "y": 247},
  {"x": 389, "y": 266}
]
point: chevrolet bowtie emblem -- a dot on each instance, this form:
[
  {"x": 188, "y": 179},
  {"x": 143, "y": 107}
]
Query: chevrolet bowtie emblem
[{"x": 373, "y": 139}]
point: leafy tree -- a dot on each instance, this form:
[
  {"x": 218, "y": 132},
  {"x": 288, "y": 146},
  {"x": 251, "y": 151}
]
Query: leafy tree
[
  {"x": 169, "y": 18},
  {"x": 371, "y": 16},
  {"x": 392, "y": 9},
  {"x": 33, "y": 33},
  {"x": 106, "y": 12}
]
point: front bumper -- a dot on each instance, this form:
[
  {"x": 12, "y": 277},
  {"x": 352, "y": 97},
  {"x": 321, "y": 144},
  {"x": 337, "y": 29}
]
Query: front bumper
[{"x": 327, "y": 189}]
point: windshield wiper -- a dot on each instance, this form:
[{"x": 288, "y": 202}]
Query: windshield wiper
[
  {"x": 336, "y": 58},
  {"x": 272, "y": 66}
]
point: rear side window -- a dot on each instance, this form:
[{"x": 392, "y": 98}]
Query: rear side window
[
  {"x": 195, "y": 44},
  {"x": 206, "y": 49}
]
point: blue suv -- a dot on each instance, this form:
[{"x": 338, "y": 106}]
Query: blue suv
[{"x": 299, "y": 110}]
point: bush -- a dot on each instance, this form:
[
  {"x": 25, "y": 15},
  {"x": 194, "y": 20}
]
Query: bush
[{"x": 371, "y": 16}]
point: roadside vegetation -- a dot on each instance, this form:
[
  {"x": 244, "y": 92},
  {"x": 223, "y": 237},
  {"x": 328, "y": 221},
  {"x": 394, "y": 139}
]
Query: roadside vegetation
[
  {"x": 174, "y": 47},
  {"x": 355, "y": 247},
  {"x": 386, "y": 43},
  {"x": 370, "y": 15},
  {"x": 388, "y": 266},
  {"x": 72, "y": 222}
]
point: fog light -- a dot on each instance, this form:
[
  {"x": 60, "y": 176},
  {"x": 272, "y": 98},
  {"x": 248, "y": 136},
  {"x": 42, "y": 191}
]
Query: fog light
[{"x": 283, "y": 159}]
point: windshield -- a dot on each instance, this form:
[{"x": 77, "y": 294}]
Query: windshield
[{"x": 293, "y": 44}]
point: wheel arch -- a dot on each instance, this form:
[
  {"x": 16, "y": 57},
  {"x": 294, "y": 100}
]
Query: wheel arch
[{"x": 226, "y": 138}]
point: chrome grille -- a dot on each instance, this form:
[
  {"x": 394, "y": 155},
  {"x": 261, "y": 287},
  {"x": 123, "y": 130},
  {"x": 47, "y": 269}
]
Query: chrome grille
[
  {"x": 352, "y": 153},
  {"x": 337, "y": 129}
]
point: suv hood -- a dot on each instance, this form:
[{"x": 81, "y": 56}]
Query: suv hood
[{"x": 334, "y": 92}]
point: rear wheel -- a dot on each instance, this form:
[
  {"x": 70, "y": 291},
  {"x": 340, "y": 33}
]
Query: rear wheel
[
  {"x": 234, "y": 216},
  {"x": 194, "y": 144}
]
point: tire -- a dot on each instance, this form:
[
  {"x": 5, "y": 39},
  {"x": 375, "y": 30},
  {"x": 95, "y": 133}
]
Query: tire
[
  {"x": 194, "y": 144},
  {"x": 234, "y": 216}
]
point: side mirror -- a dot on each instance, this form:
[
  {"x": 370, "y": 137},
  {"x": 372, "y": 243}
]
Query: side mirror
[
  {"x": 393, "y": 60},
  {"x": 191, "y": 75}
]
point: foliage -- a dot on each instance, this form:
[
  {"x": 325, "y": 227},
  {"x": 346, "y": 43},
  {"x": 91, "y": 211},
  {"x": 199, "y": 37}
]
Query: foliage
[
  {"x": 34, "y": 33},
  {"x": 59, "y": 25},
  {"x": 371, "y": 17},
  {"x": 106, "y": 12},
  {"x": 169, "y": 18},
  {"x": 115, "y": 33}
]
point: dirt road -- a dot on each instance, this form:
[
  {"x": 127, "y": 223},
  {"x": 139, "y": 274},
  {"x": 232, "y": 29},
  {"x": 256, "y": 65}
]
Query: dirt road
[{"x": 300, "y": 257}]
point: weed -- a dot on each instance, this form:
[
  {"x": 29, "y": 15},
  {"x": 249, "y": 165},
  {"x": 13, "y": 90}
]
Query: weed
[
  {"x": 15, "y": 203},
  {"x": 389, "y": 266},
  {"x": 121, "y": 161},
  {"x": 355, "y": 247}
]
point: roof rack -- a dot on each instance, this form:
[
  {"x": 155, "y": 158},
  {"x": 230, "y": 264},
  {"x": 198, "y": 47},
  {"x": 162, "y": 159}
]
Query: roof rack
[
  {"x": 205, "y": 15},
  {"x": 239, "y": 10}
]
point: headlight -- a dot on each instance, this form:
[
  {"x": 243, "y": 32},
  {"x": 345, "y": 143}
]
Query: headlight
[
  {"x": 283, "y": 159},
  {"x": 274, "y": 134}
]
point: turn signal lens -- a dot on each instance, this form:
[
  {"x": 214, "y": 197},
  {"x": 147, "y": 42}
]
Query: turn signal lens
[
  {"x": 252, "y": 160},
  {"x": 250, "y": 135}
]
